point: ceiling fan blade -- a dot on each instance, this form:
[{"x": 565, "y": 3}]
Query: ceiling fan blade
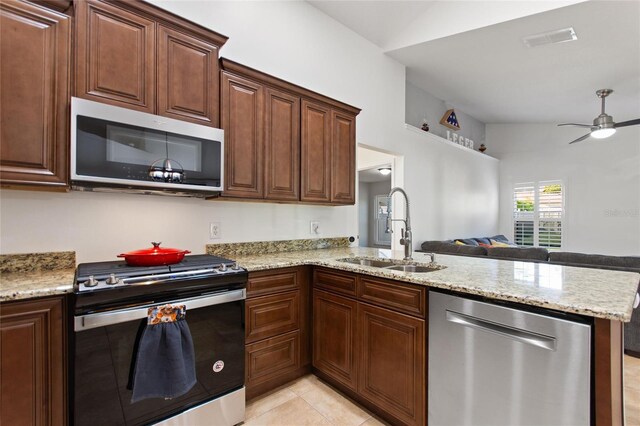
[
  {"x": 575, "y": 124},
  {"x": 580, "y": 139},
  {"x": 627, "y": 123}
]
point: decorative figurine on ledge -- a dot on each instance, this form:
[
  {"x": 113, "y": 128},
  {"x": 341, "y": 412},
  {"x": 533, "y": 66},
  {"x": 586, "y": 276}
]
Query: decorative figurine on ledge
[
  {"x": 425, "y": 125},
  {"x": 482, "y": 148}
]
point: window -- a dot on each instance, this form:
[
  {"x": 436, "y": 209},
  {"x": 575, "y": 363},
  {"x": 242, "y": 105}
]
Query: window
[{"x": 538, "y": 210}]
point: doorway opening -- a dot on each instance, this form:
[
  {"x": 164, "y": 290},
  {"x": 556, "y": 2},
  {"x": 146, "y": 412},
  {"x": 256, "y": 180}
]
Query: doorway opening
[{"x": 378, "y": 172}]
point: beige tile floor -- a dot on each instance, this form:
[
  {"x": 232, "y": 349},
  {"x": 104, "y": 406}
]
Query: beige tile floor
[
  {"x": 308, "y": 401},
  {"x": 632, "y": 390}
]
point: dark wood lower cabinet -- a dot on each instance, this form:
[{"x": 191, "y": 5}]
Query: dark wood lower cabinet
[
  {"x": 375, "y": 354},
  {"x": 32, "y": 365},
  {"x": 334, "y": 337},
  {"x": 277, "y": 334},
  {"x": 392, "y": 362}
]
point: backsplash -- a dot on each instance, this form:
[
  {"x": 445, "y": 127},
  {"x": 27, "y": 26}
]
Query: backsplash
[
  {"x": 257, "y": 247},
  {"x": 32, "y": 262}
]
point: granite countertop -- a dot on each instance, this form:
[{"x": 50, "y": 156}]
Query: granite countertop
[
  {"x": 591, "y": 292},
  {"x": 25, "y": 285}
]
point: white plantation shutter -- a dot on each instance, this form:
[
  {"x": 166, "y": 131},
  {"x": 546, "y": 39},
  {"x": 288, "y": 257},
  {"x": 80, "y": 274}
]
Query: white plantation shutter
[
  {"x": 550, "y": 214},
  {"x": 523, "y": 214},
  {"x": 538, "y": 211}
]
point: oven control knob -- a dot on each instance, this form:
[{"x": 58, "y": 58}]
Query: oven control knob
[
  {"x": 91, "y": 281},
  {"x": 222, "y": 268},
  {"x": 235, "y": 266},
  {"x": 112, "y": 280}
]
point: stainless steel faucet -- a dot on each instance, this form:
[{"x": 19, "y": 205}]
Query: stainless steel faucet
[{"x": 406, "y": 239}]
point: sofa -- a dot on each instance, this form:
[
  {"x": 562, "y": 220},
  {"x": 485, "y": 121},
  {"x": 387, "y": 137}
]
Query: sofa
[{"x": 477, "y": 247}]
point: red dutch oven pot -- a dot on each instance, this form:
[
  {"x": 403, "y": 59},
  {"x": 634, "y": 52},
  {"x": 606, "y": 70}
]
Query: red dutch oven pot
[{"x": 155, "y": 256}]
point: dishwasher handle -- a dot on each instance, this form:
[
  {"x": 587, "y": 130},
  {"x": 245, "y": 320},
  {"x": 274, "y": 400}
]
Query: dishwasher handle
[
  {"x": 524, "y": 336},
  {"x": 86, "y": 322}
]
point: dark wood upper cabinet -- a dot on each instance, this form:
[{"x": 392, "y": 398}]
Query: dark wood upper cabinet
[
  {"x": 115, "y": 56},
  {"x": 35, "y": 61},
  {"x": 242, "y": 121},
  {"x": 135, "y": 55},
  {"x": 315, "y": 152},
  {"x": 282, "y": 146},
  {"x": 32, "y": 364},
  {"x": 187, "y": 78},
  {"x": 343, "y": 158},
  {"x": 309, "y": 142}
]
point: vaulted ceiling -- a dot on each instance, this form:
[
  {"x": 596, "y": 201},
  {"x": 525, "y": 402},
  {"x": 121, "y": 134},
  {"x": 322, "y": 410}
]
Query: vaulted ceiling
[{"x": 471, "y": 54}]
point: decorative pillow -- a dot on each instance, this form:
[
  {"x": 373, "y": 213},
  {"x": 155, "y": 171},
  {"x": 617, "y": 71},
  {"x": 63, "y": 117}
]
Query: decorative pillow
[
  {"x": 459, "y": 243},
  {"x": 485, "y": 245},
  {"x": 482, "y": 240},
  {"x": 500, "y": 238},
  {"x": 468, "y": 241},
  {"x": 495, "y": 243}
]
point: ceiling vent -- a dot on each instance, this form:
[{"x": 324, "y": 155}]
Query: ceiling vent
[{"x": 551, "y": 37}]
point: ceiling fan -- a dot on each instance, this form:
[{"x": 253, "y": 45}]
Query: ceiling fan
[{"x": 603, "y": 125}]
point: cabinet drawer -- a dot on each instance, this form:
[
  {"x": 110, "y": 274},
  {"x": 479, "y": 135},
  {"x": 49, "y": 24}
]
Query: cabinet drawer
[
  {"x": 399, "y": 297},
  {"x": 268, "y": 316},
  {"x": 271, "y": 358},
  {"x": 334, "y": 281},
  {"x": 270, "y": 282}
]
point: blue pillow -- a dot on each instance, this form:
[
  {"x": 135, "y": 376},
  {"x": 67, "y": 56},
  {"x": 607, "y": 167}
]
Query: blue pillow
[
  {"x": 483, "y": 241},
  {"x": 500, "y": 238}
]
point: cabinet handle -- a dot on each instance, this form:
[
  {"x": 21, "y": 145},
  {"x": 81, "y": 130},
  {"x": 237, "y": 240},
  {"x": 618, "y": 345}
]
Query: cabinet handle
[{"x": 517, "y": 334}]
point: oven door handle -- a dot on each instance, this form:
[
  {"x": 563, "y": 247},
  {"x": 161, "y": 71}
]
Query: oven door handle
[{"x": 89, "y": 321}]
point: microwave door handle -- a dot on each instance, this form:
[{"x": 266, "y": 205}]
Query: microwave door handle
[{"x": 89, "y": 321}]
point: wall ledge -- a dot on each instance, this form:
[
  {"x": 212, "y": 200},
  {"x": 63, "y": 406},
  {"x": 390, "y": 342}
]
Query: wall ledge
[{"x": 442, "y": 140}]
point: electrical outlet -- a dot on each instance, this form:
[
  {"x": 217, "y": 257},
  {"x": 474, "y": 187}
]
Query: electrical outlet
[
  {"x": 315, "y": 228},
  {"x": 214, "y": 230}
]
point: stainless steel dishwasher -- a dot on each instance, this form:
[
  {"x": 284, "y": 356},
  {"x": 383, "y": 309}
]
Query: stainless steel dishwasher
[{"x": 493, "y": 365}]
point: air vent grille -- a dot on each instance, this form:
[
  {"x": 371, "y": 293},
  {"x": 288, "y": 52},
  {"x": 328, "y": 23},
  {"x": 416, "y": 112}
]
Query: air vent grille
[{"x": 551, "y": 37}]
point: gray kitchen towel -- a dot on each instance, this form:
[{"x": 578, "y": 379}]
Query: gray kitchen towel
[{"x": 165, "y": 362}]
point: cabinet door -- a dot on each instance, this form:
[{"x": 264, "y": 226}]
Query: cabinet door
[
  {"x": 34, "y": 94},
  {"x": 334, "y": 337},
  {"x": 187, "y": 78},
  {"x": 392, "y": 362},
  {"x": 115, "y": 56},
  {"x": 242, "y": 110},
  {"x": 316, "y": 152},
  {"x": 32, "y": 368},
  {"x": 282, "y": 146},
  {"x": 343, "y": 158},
  {"x": 268, "y": 316},
  {"x": 271, "y": 360}
]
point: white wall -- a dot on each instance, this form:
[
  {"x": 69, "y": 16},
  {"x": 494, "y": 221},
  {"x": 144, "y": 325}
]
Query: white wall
[
  {"x": 602, "y": 180},
  {"x": 363, "y": 213},
  {"x": 298, "y": 43}
]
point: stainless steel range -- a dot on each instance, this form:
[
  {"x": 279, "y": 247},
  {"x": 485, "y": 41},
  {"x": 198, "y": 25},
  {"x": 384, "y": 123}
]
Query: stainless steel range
[{"x": 111, "y": 305}]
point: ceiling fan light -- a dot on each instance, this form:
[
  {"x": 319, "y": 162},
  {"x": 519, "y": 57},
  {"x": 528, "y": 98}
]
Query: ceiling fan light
[
  {"x": 384, "y": 171},
  {"x": 603, "y": 133}
]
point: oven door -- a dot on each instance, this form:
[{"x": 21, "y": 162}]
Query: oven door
[{"x": 104, "y": 351}]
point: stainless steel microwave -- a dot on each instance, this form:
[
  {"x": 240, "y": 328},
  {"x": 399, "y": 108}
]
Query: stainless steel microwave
[{"x": 121, "y": 149}]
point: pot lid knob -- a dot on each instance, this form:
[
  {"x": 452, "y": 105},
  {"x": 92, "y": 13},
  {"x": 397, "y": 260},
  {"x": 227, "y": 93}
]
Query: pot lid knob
[{"x": 156, "y": 245}]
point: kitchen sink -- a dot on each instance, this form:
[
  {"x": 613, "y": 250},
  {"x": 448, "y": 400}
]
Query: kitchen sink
[
  {"x": 413, "y": 268},
  {"x": 369, "y": 262},
  {"x": 393, "y": 265}
]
